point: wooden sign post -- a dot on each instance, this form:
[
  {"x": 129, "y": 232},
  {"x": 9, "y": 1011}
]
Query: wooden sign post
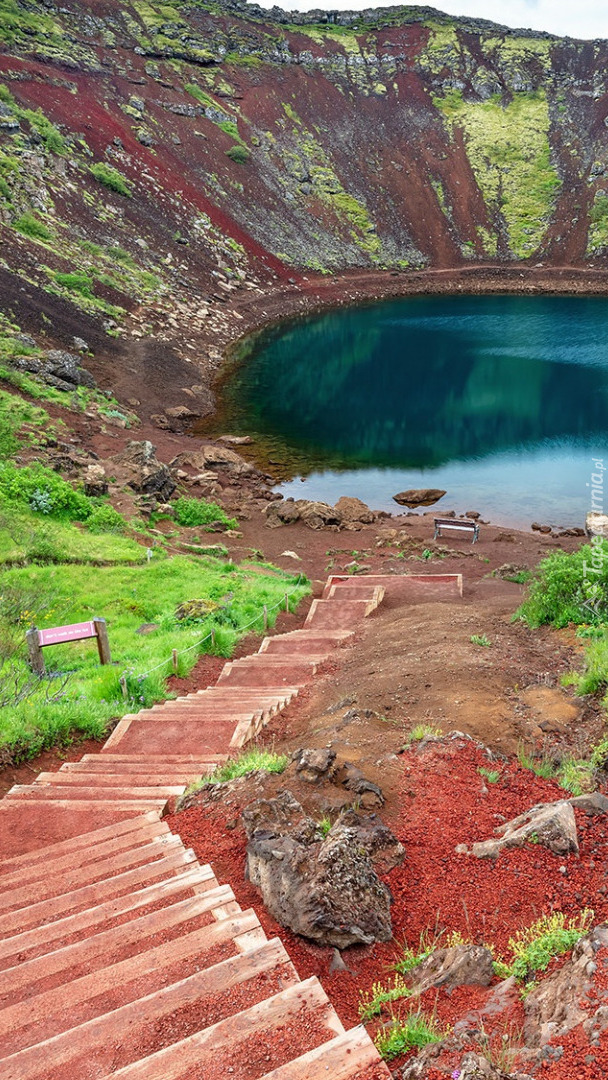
[{"x": 37, "y": 640}]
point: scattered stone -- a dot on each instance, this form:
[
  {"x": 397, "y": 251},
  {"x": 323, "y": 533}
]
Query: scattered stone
[
  {"x": 235, "y": 440},
  {"x": 145, "y": 474},
  {"x": 461, "y": 965},
  {"x": 80, "y": 344},
  {"x": 536, "y": 527},
  {"x": 509, "y": 570},
  {"x": 592, "y": 804},
  {"x": 95, "y": 481},
  {"x": 354, "y": 510},
  {"x": 474, "y": 515},
  {"x": 419, "y": 497},
  {"x": 325, "y": 889},
  {"x": 214, "y": 457},
  {"x": 368, "y": 794},
  {"x": 337, "y": 963},
  {"x": 550, "y": 824},
  {"x": 596, "y": 524},
  {"x": 147, "y": 628},
  {"x": 289, "y": 555},
  {"x": 314, "y": 765}
]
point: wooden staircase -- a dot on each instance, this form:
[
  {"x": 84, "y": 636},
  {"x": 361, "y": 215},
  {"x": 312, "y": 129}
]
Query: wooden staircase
[{"x": 121, "y": 956}]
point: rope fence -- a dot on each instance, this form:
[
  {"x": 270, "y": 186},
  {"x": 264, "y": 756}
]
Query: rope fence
[{"x": 175, "y": 653}]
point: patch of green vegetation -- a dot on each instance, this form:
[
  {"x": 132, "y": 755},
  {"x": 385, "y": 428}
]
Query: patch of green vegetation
[
  {"x": 491, "y": 775},
  {"x": 200, "y": 95},
  {"x": 569, "y": 588},
  {"x": 597, "y": 238},
  {"x": 239, "y": 153},
  {"x": 324, "y": 825},
  {"x": 371, "y": 1003},
  {"x": 542, "y": 767},
  {"x": 533, "y": 948},
  {"x": 194, "y": 512},
  {"x": 480, "y": 639},
  {"x": 47, "y": 132},
  {"x": 111, "y": 178},
  {"x": 14, "y": 414},
  {"x": 247, "y": 762},
  {"x": 248, "y": 60},
  {"x": 412, "y": 1032},
  {"x": 443, "y": 48},
  {"x": 422, "y": 731},
  {"x": 127, "y": 596},
  {"x": 508, "y": 148},
  {"x": 291, "y": 113}
]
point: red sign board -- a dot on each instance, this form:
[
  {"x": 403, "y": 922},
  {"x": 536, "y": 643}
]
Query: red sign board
[{"x": 57, "y": 634}]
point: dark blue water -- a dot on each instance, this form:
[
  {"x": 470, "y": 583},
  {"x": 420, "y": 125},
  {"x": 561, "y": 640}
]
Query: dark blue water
[{"x": 501, "y": 400}]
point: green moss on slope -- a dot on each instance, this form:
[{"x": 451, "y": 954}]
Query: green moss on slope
[{"x": 508, "y": 148}]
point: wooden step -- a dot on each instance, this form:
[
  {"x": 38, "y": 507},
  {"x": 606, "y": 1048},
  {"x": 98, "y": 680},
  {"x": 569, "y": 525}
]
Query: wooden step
[
  {"x": 174, "y": 1062},
  {"x": 90, "y": 895},
  {"x": 44, "y": 1015},
  {"x": 140, "y": 773},
  {"x": 74, "y": 877},
  {"x": 338, "y": 612},
  {"x": 96, "y": 948},
  {"x": 44, "y": 937},
  {"x": 156, "y": 759},
  {"x": 61, "y": 857},
  {"x": 93, "y": 1041},
  {"x": 136, "y": 781},
  {"x": 346, "y": 1057},
  {"x": 84, "y": 842},
  {"x": 199, "y": 739}
]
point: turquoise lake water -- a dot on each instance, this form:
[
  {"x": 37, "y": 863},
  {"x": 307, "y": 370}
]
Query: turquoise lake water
[{"x": 501, "y": 400}]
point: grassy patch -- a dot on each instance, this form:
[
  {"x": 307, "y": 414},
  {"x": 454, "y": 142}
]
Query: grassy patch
[
  {"x": 111, "y": 178},
  {"x": 569, "y": 588},
  {"x": 533, "y": 948},
  {"x": 246, "y": 763},
  {"x": 239, "y": 153},
  {"x": 491, "y": 775},
  {"x": 480, "y": 639},
  {"x": 508, "y": 148},
  {"x": 371, "y": 1003},
  {"x": 195, "y": 512},
  {"x": 127, "y": 596},
  {"x": 30, "y": 225},
  {"x": 412, "y": 1032},
  {"x": 422, "y": 731}
]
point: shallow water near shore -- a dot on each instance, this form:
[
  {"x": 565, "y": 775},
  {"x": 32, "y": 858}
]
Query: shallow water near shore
[{"x": 501, "y": 400}]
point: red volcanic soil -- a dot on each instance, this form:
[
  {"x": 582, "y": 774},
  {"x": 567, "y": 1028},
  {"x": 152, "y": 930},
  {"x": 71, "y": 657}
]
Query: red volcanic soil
[{"x": 443, "y": 801}]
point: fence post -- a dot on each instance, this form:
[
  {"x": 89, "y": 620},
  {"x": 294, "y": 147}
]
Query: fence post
[
  {"x": 286, "y": 602},
  {"x": 103, "y": 644},
  {"x": 123, "y": 686},
  {"x": 33, "y": 646},
  {"x": 174, "y": 660},
  {"x": 265, "y": 616},
  {"x": 213, "y": 639}
]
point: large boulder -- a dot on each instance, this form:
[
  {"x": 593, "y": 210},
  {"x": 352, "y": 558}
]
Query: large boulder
[
  {"x": 419, "y": 496},
  {"x": 552, "y": 825},
  {"x": 353, "y": 511},
  {"x": 325, "y": 889},
  {"x": 317, "y": 515},
  {"x": 215, "y": 458},
  {"x": 460, "y": 965},
  {"x": 144, "y": 473}
]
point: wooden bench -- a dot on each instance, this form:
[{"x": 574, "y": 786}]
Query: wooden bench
[{"x": 453, "y": 523}]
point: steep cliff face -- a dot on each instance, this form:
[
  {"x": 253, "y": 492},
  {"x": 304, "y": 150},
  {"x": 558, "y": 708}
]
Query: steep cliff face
[{"x": 144, "y": 144}]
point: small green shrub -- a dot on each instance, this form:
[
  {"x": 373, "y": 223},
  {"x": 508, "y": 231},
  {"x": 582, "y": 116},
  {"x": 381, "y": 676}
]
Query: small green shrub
[
  {"x": 193, "y": 512},
  {"x": 29, "y": 225},
  {"x": 534, "y": 947},
  {"x": 422, "y": 731},
  {"x": 371, "y": 1003},
  {"x": 50, "y": 493},
  {"x": 491, "y": 775},
  {"x": 105, "y": 519},
  {"x": 111, "y": 178},
  {"x": 247, "y": 763},
  {"x": 480, "y": 639},
  {"x": 77, "y": 282},
  {"x": 542, "y": 767},
  {"x": 324, "y": 825},
  {"x": 569, "y": 588},
  {"x": 411, "y": 1033},
  {"x": 238, "y": 153}
]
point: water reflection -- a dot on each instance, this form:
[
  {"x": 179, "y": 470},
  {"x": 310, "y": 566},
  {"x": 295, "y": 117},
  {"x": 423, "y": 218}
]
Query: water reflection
[{"x": 424, "y": 383}]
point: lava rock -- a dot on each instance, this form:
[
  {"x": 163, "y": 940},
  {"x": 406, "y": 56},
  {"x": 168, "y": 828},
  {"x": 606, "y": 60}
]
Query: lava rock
[
  {"x": 419, "y": 497},
  {"x": 461, "y": 965},
  {"x": 325, "y": 889},
  {"x": 145, "y": 474},
  {"x": 314, "y": 765},
  {"x": 95, "y": 481},
  {"x": 552, "y": 825}
]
